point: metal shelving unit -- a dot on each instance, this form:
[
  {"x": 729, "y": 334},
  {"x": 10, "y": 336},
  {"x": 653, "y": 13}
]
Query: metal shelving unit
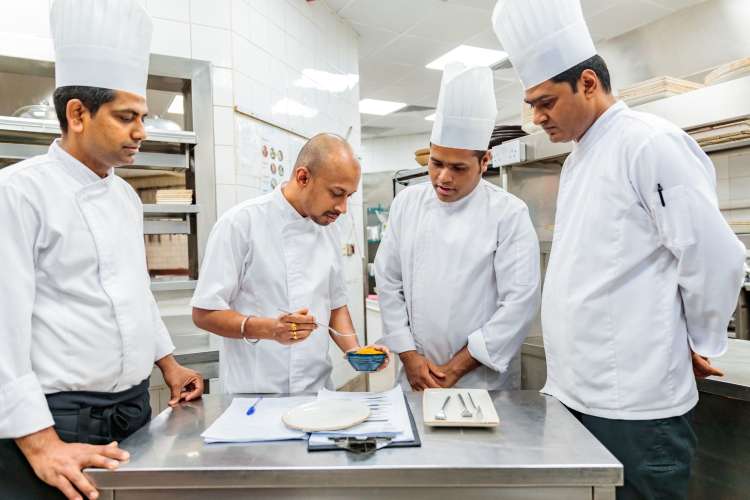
[{"x": 169, "y": 151}]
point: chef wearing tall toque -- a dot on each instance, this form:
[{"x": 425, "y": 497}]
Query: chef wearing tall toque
[
  {"x": 644, "y": 271},
  {"x": 458, "y": 269},
  {"x": 81, "y": 331}
]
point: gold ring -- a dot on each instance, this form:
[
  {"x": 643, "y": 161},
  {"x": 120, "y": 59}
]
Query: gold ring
[
  {"x": 294, "y": 335},
  {"x": 294, "y": 327}
]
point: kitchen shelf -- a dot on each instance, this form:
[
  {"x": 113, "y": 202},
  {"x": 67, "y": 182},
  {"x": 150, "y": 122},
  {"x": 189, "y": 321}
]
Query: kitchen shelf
[
  {"x": 51, "y": 127},
  {"x": 166, "y": 227},
  {"x": 172, "y": 285},
  {"x": 155, "y": 209},
  {"x": 143, "y": 160}
]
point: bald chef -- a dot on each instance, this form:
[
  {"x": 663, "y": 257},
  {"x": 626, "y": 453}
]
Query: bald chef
[
  {"x": 80, "y": 328},
  {"x": 458, "y": 269}
]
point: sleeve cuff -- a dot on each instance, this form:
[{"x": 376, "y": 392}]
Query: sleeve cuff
[
  {"x": 23, "y": 408},
  {"x": 710, "y": 349},
  {"x": 339, "y": 302},
  {"x": 164, "y": 345},
  {"x": 400, "y": 341},
  {"x": 209, "y": 304},
  {"x": 478, "y": 350}
]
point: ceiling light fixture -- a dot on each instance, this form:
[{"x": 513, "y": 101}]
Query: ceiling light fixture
[
  {"x": 470, "y": 56},
  {"x": 378, "y": 107}
]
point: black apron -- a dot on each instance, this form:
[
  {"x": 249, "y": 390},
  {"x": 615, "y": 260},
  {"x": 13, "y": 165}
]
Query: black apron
[{"x": 80, "y": 417}]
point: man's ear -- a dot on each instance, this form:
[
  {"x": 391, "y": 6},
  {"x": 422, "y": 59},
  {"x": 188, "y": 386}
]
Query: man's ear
[
  {"x": 302, "y": 175},
  {"x": 589, "y": 82},
  {"x": 486, "y": 160},
  {"x": 74, "y": 112}
]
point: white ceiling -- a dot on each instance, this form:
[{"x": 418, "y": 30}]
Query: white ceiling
[{"x": 398, "y": 37}]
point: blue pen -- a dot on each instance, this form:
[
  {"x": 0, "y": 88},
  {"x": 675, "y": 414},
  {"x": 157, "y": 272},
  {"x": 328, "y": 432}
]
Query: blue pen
[{"x": 251, "y": 410}]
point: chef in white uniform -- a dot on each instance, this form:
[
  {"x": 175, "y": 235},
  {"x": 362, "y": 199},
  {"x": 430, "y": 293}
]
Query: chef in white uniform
[
  {"x": 272, "y": 278},
  {"x": 80, "y": 328},
  {"x": 458, "y": 268},
  {"x": 644, "y": 271}
]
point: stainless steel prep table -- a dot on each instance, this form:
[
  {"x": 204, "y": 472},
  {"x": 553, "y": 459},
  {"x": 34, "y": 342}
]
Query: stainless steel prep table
[
  {"x": 539, "y": 452},
  {"x": 735, "y": 364}
]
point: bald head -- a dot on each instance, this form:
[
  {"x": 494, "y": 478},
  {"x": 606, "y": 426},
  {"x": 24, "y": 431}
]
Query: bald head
[
  {"x": 326, "y": 151},
  {"x": 325, "y": 175}
]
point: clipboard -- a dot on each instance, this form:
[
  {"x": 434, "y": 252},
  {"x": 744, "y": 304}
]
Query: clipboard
[{"x": 415, "y": 443}]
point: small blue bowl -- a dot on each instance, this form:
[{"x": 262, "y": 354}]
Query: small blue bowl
[{"x": 365, "y": 362}]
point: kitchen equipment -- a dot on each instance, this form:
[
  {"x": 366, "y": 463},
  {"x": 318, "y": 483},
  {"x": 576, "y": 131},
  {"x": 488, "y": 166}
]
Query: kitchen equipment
[
  {"x": 365, "y": 362},
  {"x": 504, "y": 133},
  {"x": 441, "y": 414},
  {"x": 41, "y": 111},
  {"x": 324, "y": 415},
  {"x": 158, "y": 123},
  {"x": 478, "y": 409},
  {"x": 466, "y": 413},
  {"x": 434, "y": 402},
  {"x": 422, "y": 156}
]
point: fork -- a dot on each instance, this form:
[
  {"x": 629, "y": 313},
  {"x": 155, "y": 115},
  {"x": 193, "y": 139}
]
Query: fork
[
  {"x": 466, "y": 413},
  {"x": 441, "y": 414}
]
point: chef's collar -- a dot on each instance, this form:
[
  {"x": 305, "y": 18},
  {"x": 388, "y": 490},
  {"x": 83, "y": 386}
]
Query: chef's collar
[
  {"x": 287, "y": 209},
  {"x": 80, "y": 172},
  {"x": 457, "y": 205},
  {"x": 599, "y": 126}
]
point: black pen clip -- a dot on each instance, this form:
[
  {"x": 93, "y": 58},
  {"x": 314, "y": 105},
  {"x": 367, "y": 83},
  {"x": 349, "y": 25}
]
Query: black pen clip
[{"x": 661, "y": 196}]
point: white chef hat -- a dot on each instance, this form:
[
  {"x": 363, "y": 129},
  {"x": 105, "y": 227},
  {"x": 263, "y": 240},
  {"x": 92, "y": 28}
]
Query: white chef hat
[
  {"x": 466, "y": 109},
  {"x": 543, "y": 38},
  {"x": 101, "y": 43}
]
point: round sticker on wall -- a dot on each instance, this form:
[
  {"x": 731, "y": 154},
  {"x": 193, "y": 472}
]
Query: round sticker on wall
[
  {"x": 274, "y": 183},
  {"x": 281, "y": 170},
  {"x": 281, "y": 156},
  {"x": 273, "y": 154},
  {"x": 265, "y": 151},
  {"x": 273, "y": 168}
]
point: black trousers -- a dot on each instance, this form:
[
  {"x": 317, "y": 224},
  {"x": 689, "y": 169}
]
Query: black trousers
[
  {"x": 80, "y": 417},
  {"x": 656, "y": 454}
]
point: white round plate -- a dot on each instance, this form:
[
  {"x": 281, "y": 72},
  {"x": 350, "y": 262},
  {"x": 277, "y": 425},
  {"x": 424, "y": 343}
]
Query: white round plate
[{"x": 326, "y": 415}]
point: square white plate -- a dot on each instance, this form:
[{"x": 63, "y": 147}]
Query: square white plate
[{"x": 433, "y": 399}]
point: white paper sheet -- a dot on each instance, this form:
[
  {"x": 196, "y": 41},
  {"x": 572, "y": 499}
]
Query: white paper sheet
[
  {"x": 389, "y": 416},
  {"x": 235, "y": 426}
]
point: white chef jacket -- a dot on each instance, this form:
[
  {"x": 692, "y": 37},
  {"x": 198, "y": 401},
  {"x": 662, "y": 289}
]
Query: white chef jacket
[
  {"x": 632, "y": 284},
  {"x": 456, "y": 274},
  {"x": 77, "y": 311},
  {"x": 263, "y": 256}
]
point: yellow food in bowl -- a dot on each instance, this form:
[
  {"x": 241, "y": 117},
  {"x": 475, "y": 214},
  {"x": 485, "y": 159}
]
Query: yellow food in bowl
[{"x": 369, "y": 350}]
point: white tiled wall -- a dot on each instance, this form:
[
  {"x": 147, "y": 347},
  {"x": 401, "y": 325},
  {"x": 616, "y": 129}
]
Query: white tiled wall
[
  {"x": 265, "y": 54},
  {"x": 388, "y": 154}
]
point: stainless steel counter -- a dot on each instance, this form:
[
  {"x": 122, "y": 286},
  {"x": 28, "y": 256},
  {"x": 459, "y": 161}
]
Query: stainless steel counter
[
  {"x": 735, "y": 364},
  {"x": 539, "y": 451}
]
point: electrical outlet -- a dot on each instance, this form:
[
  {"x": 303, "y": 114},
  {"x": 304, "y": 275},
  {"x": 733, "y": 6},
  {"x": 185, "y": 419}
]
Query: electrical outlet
[{"x": 509, "y": 153}]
